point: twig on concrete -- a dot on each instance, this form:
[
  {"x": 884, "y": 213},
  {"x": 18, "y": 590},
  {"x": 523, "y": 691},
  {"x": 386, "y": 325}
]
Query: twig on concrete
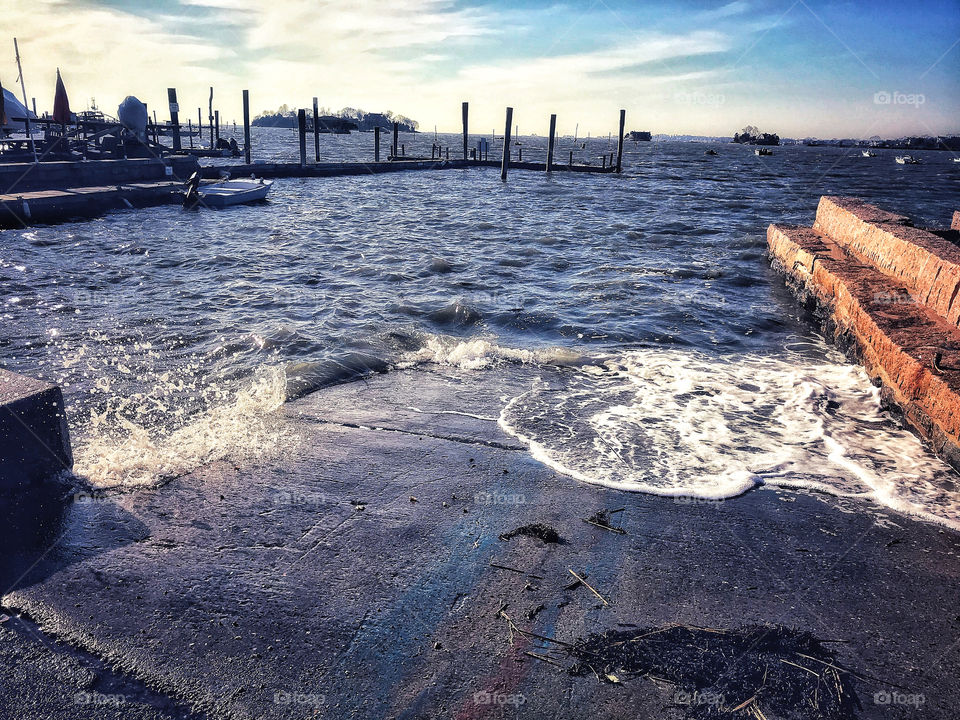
[{"x": 588, "y": 586}]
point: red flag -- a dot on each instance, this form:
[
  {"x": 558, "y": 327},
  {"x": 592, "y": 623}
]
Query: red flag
[{"x": 61, "y": 105}]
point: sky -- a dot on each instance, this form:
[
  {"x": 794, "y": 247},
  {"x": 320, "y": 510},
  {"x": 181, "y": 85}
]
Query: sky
[{"x": 801, "y": 68}]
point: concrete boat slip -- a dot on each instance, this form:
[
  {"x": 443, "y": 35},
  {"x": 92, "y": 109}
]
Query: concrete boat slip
[{"x": 359, "y": 573}]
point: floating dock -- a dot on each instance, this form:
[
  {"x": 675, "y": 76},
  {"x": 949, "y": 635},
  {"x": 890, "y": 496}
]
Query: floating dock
[{"x": 886, "y": 293}]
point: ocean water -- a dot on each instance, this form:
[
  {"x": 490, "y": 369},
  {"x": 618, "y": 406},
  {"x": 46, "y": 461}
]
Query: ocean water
[{"x": 684, "y": 365}]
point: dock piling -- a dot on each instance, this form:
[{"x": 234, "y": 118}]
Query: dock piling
[
  {"x": 316, "y": 129},
  {"x": 505, "y": 163},
  {"x": 623, "y": 119},
  {"x": 246, "y": 126},
  {"x": 216, "y": 122},
  {"x": 174, "y": 117},
  {"x": 465, "y": 109},
  {"x": 396, "y": 137},
  {"x": 571, "y": 158},
  {"x": 210, "y": 118},
  {"x": 376, "y": 144},
  {"x": 550, "y": 141},
  {"x": 302, "y": 129}
]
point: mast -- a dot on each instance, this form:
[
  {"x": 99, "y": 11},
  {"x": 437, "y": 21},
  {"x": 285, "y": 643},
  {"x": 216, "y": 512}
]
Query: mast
[{"x": 23, "y": 87}]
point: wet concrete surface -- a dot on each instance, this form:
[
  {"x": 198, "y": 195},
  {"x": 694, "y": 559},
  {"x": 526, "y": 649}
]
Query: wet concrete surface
[{"x": 265, "y": 591}]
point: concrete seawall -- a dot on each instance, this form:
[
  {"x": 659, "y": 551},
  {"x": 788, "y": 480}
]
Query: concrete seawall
[
  {"x": 885, "y": 292},
  {"x": 34, "y": 440}
]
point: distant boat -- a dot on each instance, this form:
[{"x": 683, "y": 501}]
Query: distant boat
[
  {"x": 225, "y": 193},
  {"x": 868, "y": 153},
  {"x": 956, "y": 159},
  {"x": 710, "y": 152},
  {"x": 763, "y": 152},
  {"x": 907, "y": 160}
]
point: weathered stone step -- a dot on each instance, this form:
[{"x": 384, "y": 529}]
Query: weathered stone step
[
  {"x": 903, "y": 343},
  {"x": 925, "y": 263}
]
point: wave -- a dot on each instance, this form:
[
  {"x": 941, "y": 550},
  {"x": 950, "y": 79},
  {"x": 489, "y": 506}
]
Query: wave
[
  {"x": 118, "y": 450},
  {"x": 683, "y": 424}
]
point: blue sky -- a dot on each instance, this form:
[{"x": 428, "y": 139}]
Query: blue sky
[{"x": 797, "y": 67}]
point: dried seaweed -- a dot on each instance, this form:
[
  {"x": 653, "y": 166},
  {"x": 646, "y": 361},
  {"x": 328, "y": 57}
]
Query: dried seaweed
[{"x": 756, "y": 671}]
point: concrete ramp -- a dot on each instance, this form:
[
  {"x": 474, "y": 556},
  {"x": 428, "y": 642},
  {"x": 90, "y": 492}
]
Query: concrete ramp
[{"x": 360, "y": 573}]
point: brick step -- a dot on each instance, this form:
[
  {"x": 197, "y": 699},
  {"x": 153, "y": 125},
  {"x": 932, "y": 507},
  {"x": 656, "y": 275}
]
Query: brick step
[{"x": 902, "y": 342}]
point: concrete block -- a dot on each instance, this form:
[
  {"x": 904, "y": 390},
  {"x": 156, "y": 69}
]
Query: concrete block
[{"x": 34, "y": 439}]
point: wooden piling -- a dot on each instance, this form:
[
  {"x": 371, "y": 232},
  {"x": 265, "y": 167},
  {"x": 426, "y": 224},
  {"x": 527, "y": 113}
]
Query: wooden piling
[
  {"x": 396, "y": 138},
  {"x": 216, "y": 122},
  {"x": 246, "y": 126},
  {"x": 553, "y": 134},
  {"x": 623, "y": 120},
  {"x": 210, "y": 118},
  {"x": 505, "y": 163},
  {"x": 316, "y": 129},
  {"x": 571, "y": 157},
  {"x": 376, "y": 144},
  {"x": 190, "y": 131},
  {"x": 465, "y": 109},
  {"x": 174, "y": 117},
  {"x": 302, "y": 129}
]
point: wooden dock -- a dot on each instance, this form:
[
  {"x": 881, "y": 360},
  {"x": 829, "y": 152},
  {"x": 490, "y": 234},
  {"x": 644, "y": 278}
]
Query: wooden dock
[{"x": 19, "y": 210}]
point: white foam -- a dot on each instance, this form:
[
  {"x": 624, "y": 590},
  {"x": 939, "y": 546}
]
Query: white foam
[
  {"x": 118, "y": 449},
  {"x": 685, "y": 424},
  {"x": 481, "y": 353}
]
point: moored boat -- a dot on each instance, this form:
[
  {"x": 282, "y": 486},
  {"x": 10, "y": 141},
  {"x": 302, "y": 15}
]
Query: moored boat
[{"x": 226, "y": 192}]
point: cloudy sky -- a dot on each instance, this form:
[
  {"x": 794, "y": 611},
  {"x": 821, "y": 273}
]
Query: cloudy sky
[{"x": 797, "y": 67}]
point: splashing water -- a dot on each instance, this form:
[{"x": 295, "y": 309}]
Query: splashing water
[
  {"x": 116, "y": 450},
  {"x": 685, "y": 424}
]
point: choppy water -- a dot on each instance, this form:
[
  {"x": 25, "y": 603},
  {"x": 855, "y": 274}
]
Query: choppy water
[{"x": 687, "y": 370}]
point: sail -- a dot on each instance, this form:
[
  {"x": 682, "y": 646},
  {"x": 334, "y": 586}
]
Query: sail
[
  {"x": 14, "y": 109},
  {"x": 61, "y": 105}
]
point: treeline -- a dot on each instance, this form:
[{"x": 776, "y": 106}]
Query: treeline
[
  {"x": 343, "y": 121},
  {"x": 751, "y": 135}
]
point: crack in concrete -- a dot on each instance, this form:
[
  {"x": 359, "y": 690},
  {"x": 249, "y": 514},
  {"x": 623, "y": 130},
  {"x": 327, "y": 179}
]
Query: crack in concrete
[{"x": 448, "y": 438}]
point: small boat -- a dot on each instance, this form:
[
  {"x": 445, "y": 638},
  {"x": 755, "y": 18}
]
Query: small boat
[
  {"x": 226, "y": 192},
  {"x": 907, "y": 160},
  {"x": 868, "y": 153},
  {"x": 763, "y": 152},
  {"x": 710, "y": 152},
  {"x": 957, "y": 159}
]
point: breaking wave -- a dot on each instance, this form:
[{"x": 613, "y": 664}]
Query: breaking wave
[{"x": 685, "y": 424}]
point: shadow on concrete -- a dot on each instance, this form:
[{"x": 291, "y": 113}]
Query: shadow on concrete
[{"x": 47, "y": 525}]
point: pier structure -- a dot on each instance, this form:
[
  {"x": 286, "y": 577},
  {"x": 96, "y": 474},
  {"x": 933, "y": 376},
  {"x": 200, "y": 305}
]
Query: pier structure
[
  {"x": 885, "y": 292},
  {"x": 59, "y": 189}
]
